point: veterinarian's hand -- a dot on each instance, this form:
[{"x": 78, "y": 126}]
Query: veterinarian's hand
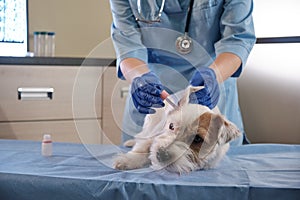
[
  {"x": 209, "y": 95},
  {"x": 145, "y": 91}
]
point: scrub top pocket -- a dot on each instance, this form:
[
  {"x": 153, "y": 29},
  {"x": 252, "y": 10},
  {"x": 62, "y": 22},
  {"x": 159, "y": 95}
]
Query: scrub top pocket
[
  {"x": 205, "y": 9},
  {"x": 173, "y": 7},
  {"x": 204, "y": 4}
]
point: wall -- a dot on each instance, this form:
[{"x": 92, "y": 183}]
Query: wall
[
  {"x": 269, "y": 94},
  {"x": 269, "y": 85},
  {"x": 79, "y": 25}
]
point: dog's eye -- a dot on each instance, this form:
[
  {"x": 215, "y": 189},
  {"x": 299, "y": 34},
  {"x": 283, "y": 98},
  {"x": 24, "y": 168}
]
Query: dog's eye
[
  {"x": 198, "y": 139},
  {"x": 171, "y": 126}
]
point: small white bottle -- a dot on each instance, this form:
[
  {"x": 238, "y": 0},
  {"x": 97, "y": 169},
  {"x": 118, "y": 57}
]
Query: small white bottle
[{"x": 47, "y": 145}]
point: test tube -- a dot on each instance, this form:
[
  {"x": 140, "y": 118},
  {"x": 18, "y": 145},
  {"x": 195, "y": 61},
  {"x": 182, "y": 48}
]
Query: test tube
[
  {"x": 39, "y": 43},
  {"x": 44, "y": 43},
  {"x": 50, "y": 44}
]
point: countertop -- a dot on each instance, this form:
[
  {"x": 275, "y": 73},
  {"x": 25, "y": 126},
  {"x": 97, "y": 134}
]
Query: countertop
[{"x": 57, "y": 61}]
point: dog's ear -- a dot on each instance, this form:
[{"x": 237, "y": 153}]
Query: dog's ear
[
  {"x": 209, "y": 125},
  {"x": 230, "y": 131},
  {"x": 215, "y": 128},
  {"x": 185, "y": 98}
]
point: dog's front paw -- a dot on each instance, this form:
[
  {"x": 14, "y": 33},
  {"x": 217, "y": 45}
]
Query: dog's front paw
[
  {"x": 121, "y": 162},
  {"x": 131, "y": 161}
]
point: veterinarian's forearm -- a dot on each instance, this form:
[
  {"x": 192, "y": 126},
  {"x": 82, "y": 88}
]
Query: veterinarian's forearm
[
  {"x": 225, "y": 65},
  {"x": 133, "y": 67}
]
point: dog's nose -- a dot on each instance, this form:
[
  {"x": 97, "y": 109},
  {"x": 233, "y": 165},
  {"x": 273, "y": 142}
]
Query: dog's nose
[{"x": 162, "y": 155}]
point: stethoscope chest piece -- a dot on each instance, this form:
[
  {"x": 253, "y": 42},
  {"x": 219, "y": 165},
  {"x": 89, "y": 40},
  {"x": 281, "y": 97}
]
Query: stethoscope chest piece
[{"x": 184, "y": 44}]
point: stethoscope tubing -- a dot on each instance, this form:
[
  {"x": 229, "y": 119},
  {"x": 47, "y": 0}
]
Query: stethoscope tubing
[
  {"x": 189, "y": 16},
  {"x": 183, "y": 43},
  {"x": 158, "y": 16}
]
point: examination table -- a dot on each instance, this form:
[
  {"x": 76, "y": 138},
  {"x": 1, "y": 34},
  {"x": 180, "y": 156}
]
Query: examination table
[{"x": 76, "y": 171}]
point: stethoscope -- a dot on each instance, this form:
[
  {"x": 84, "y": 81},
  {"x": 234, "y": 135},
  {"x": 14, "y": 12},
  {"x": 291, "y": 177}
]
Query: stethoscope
[{"x": 183, "y": 43}]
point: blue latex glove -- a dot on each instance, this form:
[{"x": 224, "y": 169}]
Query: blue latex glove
[
  {"x": 145, "y": 92},
  {"x": 209, "y": 96}
]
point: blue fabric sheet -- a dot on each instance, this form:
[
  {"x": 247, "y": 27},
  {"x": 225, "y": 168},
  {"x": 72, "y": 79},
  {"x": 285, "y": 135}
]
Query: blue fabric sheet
[{"x": 75, "y": 171}]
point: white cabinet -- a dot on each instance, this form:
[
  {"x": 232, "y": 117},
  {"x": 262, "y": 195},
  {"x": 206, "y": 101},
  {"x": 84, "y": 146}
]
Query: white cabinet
[{"x": 71, "y": 113}]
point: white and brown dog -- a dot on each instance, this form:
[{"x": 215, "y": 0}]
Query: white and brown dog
[{"x": 182, "y": 139}]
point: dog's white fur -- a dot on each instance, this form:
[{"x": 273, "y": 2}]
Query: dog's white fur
[{"x": 187, "y": 138}]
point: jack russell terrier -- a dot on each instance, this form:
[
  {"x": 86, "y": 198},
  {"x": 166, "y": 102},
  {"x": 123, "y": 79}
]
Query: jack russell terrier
[{"x": 181, "y": 139}]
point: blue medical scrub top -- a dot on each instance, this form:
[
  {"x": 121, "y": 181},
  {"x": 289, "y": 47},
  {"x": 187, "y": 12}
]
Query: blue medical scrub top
[{"x": 216, "y": 27}]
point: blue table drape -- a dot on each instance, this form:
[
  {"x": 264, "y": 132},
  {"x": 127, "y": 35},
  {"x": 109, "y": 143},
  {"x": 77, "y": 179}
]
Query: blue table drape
[{"x": 77, "y": 171}]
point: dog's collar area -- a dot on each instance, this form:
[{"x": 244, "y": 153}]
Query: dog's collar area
[{"x": 211, "y": 149}]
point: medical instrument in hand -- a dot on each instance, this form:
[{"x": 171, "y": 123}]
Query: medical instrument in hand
[
  {"x": 149, "y": 21},
  {"x": 164, "y": 95},
  {"x": 184, "y": 43}
]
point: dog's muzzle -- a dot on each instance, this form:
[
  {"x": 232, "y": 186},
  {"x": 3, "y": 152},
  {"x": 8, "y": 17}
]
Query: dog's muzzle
[{"x": 163, "y": 155}]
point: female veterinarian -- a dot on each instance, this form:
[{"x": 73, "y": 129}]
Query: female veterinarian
[{"x": 169, "y": 44}]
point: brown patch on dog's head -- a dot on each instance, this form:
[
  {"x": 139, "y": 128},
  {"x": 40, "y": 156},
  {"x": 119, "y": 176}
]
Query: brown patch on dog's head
[
  {"x": 212, "y": 128},
  {"x": 209, "y": 125}
]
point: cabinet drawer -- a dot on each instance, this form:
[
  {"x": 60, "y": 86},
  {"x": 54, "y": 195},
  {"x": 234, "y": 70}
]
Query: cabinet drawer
[
  {"x": 114, "y": 98},
  {"x": 76, "y": 92},
  {"x": 79, "y": 131}
]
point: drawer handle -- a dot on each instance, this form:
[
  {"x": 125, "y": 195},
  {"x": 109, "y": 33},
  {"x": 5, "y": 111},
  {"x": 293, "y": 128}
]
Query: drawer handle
[{"x": 34, "y": 93}]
